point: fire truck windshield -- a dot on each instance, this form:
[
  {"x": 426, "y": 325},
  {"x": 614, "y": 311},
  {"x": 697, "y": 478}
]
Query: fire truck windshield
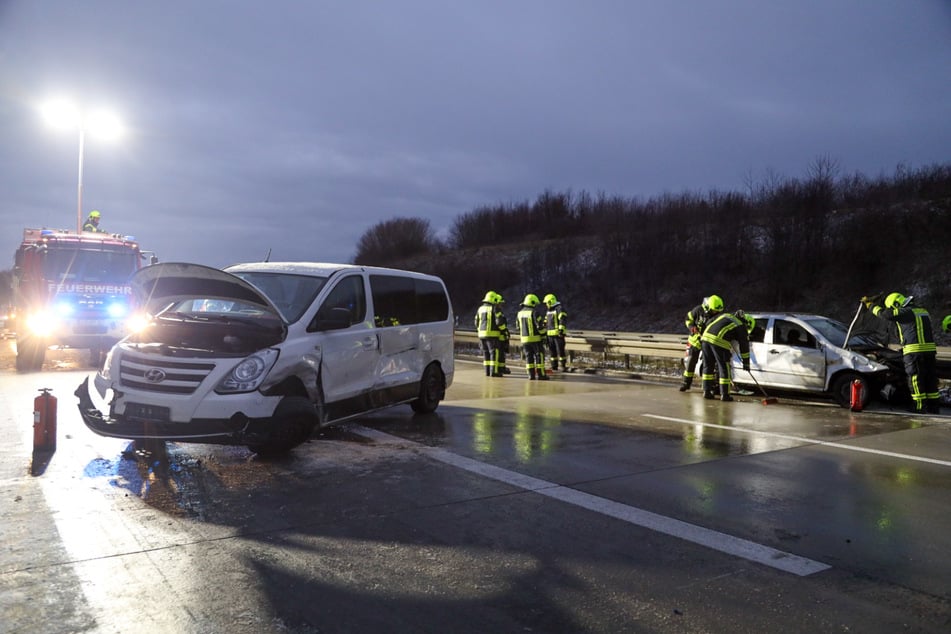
[{"x": 102, "y": 265}]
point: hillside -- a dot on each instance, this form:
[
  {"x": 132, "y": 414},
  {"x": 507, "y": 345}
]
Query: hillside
[{"x": 631, "y": 265}]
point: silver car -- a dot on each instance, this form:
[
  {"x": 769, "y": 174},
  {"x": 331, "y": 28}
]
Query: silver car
[{"x": 808, "y": 353}]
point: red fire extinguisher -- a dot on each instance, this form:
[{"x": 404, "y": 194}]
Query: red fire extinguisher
[
  {"x": 855, "y": 402},
  {"x": 44, "y": 421}
]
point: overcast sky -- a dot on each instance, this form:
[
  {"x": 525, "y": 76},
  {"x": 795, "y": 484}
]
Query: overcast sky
[{"x": 297, "y": 126}]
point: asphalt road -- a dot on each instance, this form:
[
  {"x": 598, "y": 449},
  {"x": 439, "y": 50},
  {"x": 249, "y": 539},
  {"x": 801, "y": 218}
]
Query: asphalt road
[{"x": 581, "y": 504}]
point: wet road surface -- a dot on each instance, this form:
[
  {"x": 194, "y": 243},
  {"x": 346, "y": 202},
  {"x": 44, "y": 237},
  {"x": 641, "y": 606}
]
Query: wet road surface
[{"x": 579, "y": 504}]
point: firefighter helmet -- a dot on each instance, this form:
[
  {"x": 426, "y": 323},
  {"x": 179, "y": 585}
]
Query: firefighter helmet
[
  {"x": 489, "y": 297},
  {"x": 530, "y": 300},
  {"x": 896, "y": 300},
  {"x": 946, "y": 323},
  {"x": 746, "y": 319},
  {"x": 713, "y": 304},
  {"x": 550, "y": 300},
  {"x": 94, "y": 213}
]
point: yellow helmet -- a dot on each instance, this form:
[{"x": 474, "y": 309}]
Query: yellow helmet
[
  {"x": 946, "y": 323},
  {"x": 550, "y": 300},
  {"x": 531, "y": 300},
  {"x": 713, "y": 304},
  {"x": 747, "y": 320},
  {"x": 489, "y": 297},
  {"x": 896, "y": 300},
  {"x": 94, "y": 213}
]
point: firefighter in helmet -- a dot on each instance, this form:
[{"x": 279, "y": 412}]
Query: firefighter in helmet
[
  {"x": 918, "y": 347},
  {"x": 531, "y": 338},
  {"x": 717, "y": 342},
  {"x": 487, "y": 327},
  {"x": 556, "y": 327},
  {"x": 696, "y": 321},
  {"x": 504, "y": 335},
  {"x": 92, "y": 222}
]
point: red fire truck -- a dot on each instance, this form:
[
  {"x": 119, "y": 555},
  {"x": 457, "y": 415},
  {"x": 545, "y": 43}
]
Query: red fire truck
[{"x": 72, "y": 290}]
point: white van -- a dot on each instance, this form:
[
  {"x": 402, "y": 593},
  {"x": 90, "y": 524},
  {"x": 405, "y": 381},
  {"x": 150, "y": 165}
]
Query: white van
[{"x": 261, "y": 354}]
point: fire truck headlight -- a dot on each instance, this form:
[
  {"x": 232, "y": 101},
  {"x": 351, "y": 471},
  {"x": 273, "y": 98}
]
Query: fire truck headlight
[
  {"x": 41, "y": 324},
  {"x": 249, "y": 374},
  {"x": 117, "y": 310}
]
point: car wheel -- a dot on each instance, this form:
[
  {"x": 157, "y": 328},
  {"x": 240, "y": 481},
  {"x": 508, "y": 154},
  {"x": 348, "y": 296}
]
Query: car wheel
[
  {"x": 432, "y": 389},
  {"x": 292, "y": 424},
  {"x": 842, "y": 389}
]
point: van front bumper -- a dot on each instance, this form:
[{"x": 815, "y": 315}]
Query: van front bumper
[{"x": 236, "y": 430}]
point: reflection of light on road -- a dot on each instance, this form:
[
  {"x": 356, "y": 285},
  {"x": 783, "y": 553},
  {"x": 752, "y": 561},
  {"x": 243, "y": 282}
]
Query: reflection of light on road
[
  {"x": 482, "y": 432},
  {"x": 534, "y": 435}
]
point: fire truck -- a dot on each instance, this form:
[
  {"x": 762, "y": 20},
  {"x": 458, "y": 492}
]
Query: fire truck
[{"x": 71, "y": 290}]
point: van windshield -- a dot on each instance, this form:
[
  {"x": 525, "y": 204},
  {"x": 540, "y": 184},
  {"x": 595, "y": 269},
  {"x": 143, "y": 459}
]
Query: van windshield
[{"x": 291, "y": 294}]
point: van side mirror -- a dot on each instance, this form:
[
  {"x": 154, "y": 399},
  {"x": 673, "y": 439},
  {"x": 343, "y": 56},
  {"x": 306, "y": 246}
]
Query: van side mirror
[{"x": 332, "y": 319}]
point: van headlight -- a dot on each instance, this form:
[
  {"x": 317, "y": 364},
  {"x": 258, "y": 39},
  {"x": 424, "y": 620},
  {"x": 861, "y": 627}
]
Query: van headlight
[{"x": 248, "y": 375}]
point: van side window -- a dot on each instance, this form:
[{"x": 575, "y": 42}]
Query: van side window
[
  {"x": 344, "y": 306},
  {"x": 402, "y": 301}
]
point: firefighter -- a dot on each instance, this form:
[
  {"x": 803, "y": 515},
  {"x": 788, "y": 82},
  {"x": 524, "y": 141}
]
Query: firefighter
[
  {"x": 697, "y": 319},
  {"x": 488, "y": 330},
  {"x": 556, "y": 327},
  {"x": 919, "y": 351},
  {"x": 717, "y": 343},
  {"x": 531, "y": 338},
  {"x": 92, "y": 222},
  {"x": 504, "y": 335}
]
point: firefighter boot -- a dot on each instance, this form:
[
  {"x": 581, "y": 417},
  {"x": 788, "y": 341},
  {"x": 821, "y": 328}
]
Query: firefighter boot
[
  {"x": 708, "y": 390},
  {"x": 688, "y": 381},
  {"x": 531, "y": 374},
  {"x": 725, "y": 393}
]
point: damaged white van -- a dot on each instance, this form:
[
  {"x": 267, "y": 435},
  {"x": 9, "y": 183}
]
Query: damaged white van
[{"x": 262, "y": 354}]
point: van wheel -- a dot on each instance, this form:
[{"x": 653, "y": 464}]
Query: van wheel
[
  {"x": 292, "y": 424},
  {"x": 842, "y": 389},
  {"x": 432, "y": 389}
]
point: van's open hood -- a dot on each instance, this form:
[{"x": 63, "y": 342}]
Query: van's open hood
[{"x": 161, "y": 284}]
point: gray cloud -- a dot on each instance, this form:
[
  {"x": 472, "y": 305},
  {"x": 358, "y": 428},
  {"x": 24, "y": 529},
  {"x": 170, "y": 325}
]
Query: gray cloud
[{"x": 297, "y": 126}]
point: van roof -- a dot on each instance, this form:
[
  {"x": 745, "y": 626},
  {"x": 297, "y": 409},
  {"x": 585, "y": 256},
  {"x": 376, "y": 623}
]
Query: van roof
[{"x": 319, "y": 269}]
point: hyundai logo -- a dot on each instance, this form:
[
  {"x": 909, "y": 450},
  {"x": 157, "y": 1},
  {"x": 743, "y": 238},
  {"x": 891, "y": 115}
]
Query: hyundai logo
[{"x": 154, "y": 375}]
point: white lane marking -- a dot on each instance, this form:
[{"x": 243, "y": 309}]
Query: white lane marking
[
  {"x": 810, "y": 441},
  {"x": 781, "y": 560}
]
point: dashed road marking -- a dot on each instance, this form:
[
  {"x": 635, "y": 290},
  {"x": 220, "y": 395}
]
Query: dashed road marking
[
  {"x": 808, "y": 441},
  {"x": 778, "y": 559}
]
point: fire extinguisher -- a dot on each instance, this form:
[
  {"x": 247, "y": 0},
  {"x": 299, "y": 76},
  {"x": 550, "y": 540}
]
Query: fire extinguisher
[
  {"x": 855, "y": 401},
  {"x": 44, "y": 421}
]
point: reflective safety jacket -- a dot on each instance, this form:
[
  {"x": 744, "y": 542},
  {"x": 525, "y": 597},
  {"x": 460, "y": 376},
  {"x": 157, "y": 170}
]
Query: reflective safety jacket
[
  {"x": 723, "y": 330},
  {"x": 697, "y": 318},
  {"x": 527, "y": 326},
  {"x": 486, "y": 321},
  {"x": 914, "y": 327},
  {"x": 556, "y": 321}
]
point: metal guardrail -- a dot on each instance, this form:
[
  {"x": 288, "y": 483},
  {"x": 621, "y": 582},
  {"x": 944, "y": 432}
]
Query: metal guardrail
[
  {"x": 608, "y": 348},
  {"x": 635, "y": 348}
]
